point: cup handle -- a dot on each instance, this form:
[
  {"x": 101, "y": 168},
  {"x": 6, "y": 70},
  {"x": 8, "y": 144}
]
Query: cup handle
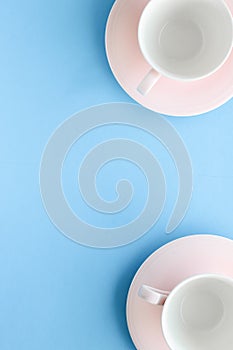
[
  {"x": 152, "y": 295},
  {"x": 148, "y": 82}
]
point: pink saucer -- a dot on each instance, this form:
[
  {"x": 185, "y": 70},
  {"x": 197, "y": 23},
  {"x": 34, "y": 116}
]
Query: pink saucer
[
  {"x": 167, "y": 96},
  {"x": 164, "y": 269}
]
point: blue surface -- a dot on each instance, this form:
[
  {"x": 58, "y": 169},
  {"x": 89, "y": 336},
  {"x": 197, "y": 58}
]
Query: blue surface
[{"x": 56, "y": 294}]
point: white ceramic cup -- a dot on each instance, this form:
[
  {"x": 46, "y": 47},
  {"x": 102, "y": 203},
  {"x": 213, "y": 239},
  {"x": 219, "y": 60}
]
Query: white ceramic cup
[
  {"x": 197, "y": 314},
  {"x": 184, "y": 39}
]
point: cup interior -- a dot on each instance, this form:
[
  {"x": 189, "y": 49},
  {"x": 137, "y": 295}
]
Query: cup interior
[
  {"x": 198, "y": 314},
  {"x": 185, "y": 39}
]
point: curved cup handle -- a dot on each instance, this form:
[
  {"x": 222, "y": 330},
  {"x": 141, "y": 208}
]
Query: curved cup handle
[
  {"x": 148, "y": 82},
  {"x": 152, "y": 295}
]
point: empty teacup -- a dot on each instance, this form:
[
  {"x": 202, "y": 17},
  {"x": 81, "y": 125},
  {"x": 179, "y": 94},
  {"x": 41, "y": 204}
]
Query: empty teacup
[
  {"x": 197, "y": 314},
  {"x": 184, "y": 39}
]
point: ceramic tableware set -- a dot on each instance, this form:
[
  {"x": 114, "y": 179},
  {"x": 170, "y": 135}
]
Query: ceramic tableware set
[{"x": 175, "y": 57}]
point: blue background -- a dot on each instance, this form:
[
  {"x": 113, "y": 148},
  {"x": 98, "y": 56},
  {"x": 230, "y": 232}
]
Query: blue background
[{"x": 54, "y": 293}]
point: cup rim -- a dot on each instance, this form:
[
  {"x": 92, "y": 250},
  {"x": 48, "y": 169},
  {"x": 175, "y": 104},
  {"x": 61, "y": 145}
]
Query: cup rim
[
  {"x": 174, "y": 76},
  {"x": 181, "y": 285}
]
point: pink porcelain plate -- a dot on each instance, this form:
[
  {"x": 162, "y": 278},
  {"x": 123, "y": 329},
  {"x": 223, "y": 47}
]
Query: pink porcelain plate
[
  {"x": 167, "y": 96},
  {"x": 164, "y": 269}
]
